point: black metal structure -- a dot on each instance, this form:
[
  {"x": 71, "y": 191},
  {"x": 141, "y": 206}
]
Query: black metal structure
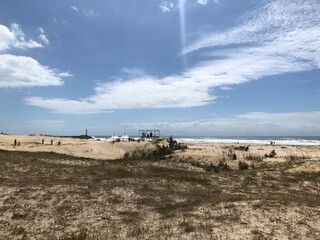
[{"x": 149, "y": 133}]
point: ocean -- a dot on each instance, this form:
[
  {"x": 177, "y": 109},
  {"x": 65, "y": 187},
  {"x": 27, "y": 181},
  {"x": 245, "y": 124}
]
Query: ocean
[
  {"x": 278, "y": 140},
  {"x": 261, "y": 140}
]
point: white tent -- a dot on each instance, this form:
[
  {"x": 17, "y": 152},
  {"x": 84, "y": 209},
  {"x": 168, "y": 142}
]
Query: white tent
[
  {"x": 114, "y": 138},
  {"x": 124, "y": 137}
]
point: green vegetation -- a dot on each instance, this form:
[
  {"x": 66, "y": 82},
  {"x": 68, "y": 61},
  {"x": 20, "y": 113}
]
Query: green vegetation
[
  {"x": 222, "y": 166},
  {"x": 272, "y": 154},
  {"x": 243, "y": 166},
  {"x": 159, "y": 153},
  {"x": 231, "y": 155},
  {"x": 242, "y": 148},
  {"x": 77, "y": 236},
  {"x": 18, "y": 215}
]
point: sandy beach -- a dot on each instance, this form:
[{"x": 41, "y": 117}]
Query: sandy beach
[{"x": 195, "y": 192}]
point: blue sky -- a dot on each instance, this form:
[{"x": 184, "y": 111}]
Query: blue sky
[{"x": 186, "y": 67}]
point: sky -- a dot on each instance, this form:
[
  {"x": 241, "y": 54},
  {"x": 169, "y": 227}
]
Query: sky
[{"x": 185, "y": 67}]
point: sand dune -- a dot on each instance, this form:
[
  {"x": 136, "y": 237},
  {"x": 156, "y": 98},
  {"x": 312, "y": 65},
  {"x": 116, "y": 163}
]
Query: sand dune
[{"x": 71, "y": 146}]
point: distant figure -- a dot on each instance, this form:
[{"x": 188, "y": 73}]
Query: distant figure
[
  {"x": 59, "y": 143},
  {"x": 15, "y": 142},
  {"x": 151, "y": 134},
  {"x": 42, "y": 141},
  {"x": 51, "y": 142}
]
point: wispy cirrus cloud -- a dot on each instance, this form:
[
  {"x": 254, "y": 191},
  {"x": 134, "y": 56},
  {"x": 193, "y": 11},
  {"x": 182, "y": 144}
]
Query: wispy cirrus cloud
[
  {"x": 22, "y": 71},
  {"x": 74, "y": 8},
  {"x": 42, "y": 36},
  {"x": 166, "y": 6},
  {"x": 205, "y": 2},
  {"x": 40, "y": 127},
  {"x": 202, "y": 2},
  {"x": 91, "y": 13},
  {"x": 280, "y": 37},
  {"x": 268, "y": 23}
]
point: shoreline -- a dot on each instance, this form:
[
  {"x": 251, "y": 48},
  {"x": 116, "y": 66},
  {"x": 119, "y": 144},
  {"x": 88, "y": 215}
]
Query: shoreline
[{"x": 277, "y": 140}]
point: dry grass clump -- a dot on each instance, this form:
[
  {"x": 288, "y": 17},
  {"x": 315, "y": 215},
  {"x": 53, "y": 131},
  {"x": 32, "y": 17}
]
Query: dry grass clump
[
  {"x": 294, "y": 157},
  {"x": 253, "y": 157}
]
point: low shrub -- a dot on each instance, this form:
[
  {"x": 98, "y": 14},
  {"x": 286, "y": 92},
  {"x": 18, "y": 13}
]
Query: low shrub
[
  {"x": 242, "y": 148},
  {"x": 80, "y": 236},
  {"x": 243, "y": 165},
  {"x": 222, "y": 166},
  {"x": 232, "y": 155},
  {"x": 159, "y": 153},
  {"x": 272, "y": 154}
]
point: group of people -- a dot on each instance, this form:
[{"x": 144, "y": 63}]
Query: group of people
[{"x": 16, "y": 143}]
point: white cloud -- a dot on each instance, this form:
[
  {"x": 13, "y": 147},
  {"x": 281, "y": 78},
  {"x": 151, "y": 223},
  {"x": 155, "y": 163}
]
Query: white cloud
[
  {"x": 20, "y": 71},
  {"x": 283, "y": 38},
  {"x": 15, "y": 38},
  {"x": 42, "y": 36},
  {"x": 90, "y": 13},
  {"x": 7, "y": 37},
  {"x": 65, "y": 105},
  {"x": 41, "y": 127},
  {"x": 63, "y": 74},
  {"x": 225, "y": 88},
  {"x": 166, "y": 6},
  {"x": 144, "y": 92},
  {"x": 203, "y": 2},
  {"x": 249, "y": 124},
  {"x": 74, "y": 8}
]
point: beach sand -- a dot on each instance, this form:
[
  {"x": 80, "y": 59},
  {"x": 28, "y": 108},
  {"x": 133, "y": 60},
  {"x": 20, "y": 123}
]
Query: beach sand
[
  {"x": 71, "y": 146},
  {"x": 187, "y": 195},
  {"x": 213, "y": 153}
]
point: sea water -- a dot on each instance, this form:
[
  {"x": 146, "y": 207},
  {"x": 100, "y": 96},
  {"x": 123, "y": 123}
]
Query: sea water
[{"x": 261, "y": 140}]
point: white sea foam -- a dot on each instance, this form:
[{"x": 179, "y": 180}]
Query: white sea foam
[{"x": 261, "y": 141}]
